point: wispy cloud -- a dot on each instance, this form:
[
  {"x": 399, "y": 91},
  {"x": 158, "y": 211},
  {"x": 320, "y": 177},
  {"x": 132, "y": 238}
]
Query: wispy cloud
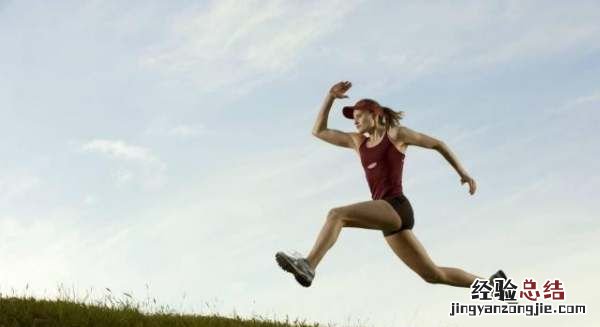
[
  {"x": 120, "y": 150},
  {"x": 239, "y": 44},
  {"x": 407, "y": 43},
  {"x": 581, "y": 102},
  {"x": 151, "y": 168},
  {"x": 586, "y": 99}
]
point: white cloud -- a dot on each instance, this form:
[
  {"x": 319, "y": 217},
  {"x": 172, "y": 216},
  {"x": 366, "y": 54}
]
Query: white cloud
[
  {"x": 119, "y": 150},
  {"x": 150, "y": 169}
]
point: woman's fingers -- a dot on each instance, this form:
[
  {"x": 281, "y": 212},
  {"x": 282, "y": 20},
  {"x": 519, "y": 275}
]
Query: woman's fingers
[
  {"x": 472, "y": 186},
  {"x": 340, "y": 88},
  {"x": 471, "y": 182},
  {"x": 347, "y": 86},
  {"x": 344, "y": 84}
]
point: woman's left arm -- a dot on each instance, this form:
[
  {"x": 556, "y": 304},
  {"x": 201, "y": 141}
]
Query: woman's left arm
[{"x": 410, "y": 137}]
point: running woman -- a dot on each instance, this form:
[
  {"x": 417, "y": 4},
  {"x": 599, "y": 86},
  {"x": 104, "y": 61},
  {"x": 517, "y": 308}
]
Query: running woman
[{"x": 382, "y": 156}]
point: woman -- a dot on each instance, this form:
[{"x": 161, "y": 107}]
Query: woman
[{"x": 382, "y": 156}]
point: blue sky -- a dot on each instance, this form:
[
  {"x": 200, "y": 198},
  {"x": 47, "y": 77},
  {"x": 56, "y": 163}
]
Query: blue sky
[{"x": 168, "y": 144}]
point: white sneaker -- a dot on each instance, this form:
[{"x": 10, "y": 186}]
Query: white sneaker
[{"x": 296, "y": 265}]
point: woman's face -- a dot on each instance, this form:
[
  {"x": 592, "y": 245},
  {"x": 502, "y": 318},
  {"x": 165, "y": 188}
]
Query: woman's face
[{"x": 363, "y": 120}]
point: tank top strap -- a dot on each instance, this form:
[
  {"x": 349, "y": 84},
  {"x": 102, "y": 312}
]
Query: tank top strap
[
  {"x": 387, "y": 137},
  {"x": 383, "y": 139},
  {"x": 363, "y": 142}
]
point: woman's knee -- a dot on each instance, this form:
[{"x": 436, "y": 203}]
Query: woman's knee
[
  {"x": 336, "y": 215},
  {"x": 433, "y": 276}
]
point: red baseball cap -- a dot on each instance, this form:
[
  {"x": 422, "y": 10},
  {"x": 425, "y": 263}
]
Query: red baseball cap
[{"x": 363, "y": 104}]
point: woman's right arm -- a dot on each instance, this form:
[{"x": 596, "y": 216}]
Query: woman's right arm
[
  {"x": 320, "y": 129},
  {"x": 411, "y": 137}
]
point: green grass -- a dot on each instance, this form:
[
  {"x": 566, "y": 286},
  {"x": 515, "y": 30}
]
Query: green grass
[{"x": 17, "y": 311}]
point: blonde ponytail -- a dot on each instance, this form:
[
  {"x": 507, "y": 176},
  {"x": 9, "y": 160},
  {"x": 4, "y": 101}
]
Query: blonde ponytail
[{"x": 390, "y": 118}]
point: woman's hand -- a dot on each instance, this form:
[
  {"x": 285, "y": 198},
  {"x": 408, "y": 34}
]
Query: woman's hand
[
  {"x": 467, "y": 179},
  {"x": 338, "y": 90}
]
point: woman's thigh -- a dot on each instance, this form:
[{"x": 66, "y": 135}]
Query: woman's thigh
[{"x": 375, "y": 214}]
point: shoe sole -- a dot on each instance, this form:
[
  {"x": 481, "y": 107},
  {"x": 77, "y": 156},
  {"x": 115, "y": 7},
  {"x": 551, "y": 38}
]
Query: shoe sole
[{"x": 286, "y": 265}]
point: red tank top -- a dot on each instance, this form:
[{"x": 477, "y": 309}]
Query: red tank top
[{"x": 383, "y": 165}]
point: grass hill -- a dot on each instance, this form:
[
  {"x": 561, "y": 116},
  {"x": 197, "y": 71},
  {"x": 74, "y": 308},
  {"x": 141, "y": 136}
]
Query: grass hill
[{"x": 28, "y": 311}]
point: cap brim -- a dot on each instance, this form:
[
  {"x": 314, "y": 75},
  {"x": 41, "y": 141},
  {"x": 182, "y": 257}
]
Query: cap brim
[{"x": 348, "y": 112}]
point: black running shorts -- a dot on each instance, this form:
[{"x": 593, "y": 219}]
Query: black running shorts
[{"x": 402, "y": 206}]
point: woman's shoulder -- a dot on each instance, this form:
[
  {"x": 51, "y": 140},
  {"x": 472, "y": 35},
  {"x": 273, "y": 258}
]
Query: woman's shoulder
[
  {"x": 359, "y": 136},
  {"x": 358, "y": 139},
  {"x": 396, "y": 132},
  {"x": 397, "y": 135}
]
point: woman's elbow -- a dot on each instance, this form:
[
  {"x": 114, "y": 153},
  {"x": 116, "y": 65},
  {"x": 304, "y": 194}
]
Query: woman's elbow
[
  {"x": 439, "y": 146},
  {"x": 318, "y": 132}
]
